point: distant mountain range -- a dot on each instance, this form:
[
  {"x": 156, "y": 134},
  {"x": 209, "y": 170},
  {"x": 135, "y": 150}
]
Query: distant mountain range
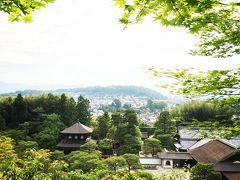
[
  {"x": 97, "y": 91},
  {"x": 11, "y": 87}
]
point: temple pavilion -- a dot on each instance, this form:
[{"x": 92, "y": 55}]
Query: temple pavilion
[{"x": 74, "y": 136}]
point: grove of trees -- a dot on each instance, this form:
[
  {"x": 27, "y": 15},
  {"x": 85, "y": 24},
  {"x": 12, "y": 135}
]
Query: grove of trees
[
  {"x": 41, "y": 118},
  {"x": 43, "y": 164},
  {"x": 221, "y": 88},
  {"x": 32, "y": 126}
]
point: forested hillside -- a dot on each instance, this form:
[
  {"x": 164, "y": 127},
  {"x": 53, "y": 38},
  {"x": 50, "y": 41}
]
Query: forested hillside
[{"x": 100, "y": 92}]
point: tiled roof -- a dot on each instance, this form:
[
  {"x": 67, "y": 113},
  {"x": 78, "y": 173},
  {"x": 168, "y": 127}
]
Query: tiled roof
[
  {"x": 149, "y": 161},
  {"x": 211, "y": 152},
  {"x": 235, "y": 142},
  {"x": 186, "y": 144},
  {"x": 174, "y": 155},
  {"x": 187, "y": 132},
  {"x": 144, "y": 135},
  {"x": 190, "y": 132},
  {"x": 77, "y": 128},
  {"x": 230, "y": 166},
  {"x": 227, "y": 166},
  {"x": 231, "y": 176},
  {"x": 200, "y": 143},
  {"x": 177, "y": 145}
]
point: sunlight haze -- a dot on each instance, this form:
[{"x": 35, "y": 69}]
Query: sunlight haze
[{"x": 81, "y": 43}]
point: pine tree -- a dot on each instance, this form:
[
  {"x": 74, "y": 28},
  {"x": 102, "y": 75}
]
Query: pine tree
[
  {"x": 103, "y": 125},
  {"x": 83, "y": 110},
  {"x": 19, "y": 113},
  {"x": 128, "y": 135},
  {"x": 2, "y": 123},
  {"x": 67, "y": 109}
]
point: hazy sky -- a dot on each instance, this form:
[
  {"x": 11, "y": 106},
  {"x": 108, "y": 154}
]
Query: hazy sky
[{"x": 80, "y": 43}]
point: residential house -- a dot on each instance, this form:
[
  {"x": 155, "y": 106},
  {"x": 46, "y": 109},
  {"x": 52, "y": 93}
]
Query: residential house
[
  {"x": 175, "y": 159},
  {"x": 190, "y": 137}
]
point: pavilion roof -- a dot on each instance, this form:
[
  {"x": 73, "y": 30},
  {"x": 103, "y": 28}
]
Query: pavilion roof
[{"x": 77, "y": 128}]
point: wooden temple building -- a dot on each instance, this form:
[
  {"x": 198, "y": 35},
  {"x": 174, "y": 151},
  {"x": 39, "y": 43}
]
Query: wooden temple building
[
  {"x": 73, "y": 137},
  {"x": 223, "y": 155}
]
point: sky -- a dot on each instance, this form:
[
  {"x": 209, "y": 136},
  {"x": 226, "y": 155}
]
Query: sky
[{"x": 81, "y": 43}]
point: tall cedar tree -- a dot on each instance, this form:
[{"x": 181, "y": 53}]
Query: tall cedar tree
[
  {"x": 128, "y": 134},
  {"x": 152, "y": 146},
  {"x": 163, "y": 122},
  {"x": 6, "y": 109},
  {"x": 51, "y": 103},
  {"x": 19, "y": 112},
  {"x": 103, "y": 125},
  {"x": 83, "y": 110},
  {"x": 67, "y": 110},
  {"x": 2, "y": 123}
]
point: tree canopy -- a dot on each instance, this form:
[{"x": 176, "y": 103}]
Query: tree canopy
[
  {"x": 202, "y": 111},
  {"x": 132, "y": 161},
  {"x": 151, "y": 146},
  {"x": 21, "y": 10},
  {"x": 83, "y": 110},
  {"x": 204, "y": 172},
  {"x": 216, "y": 23},
  {"x": 221, "y": 85},
  {"x": 115, "y": 162},
  {"x": 127, "y": 135}
]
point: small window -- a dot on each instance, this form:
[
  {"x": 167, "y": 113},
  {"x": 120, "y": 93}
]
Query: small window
[
  {"x": 70, "y": 137},
  {"x": 75, "y": 137},
  {"x": 82, "y": 137},
  {"x": 168, "y": 163}
]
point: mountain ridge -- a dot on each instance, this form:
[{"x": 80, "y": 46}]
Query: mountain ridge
[{"x": 137, "y": 91}]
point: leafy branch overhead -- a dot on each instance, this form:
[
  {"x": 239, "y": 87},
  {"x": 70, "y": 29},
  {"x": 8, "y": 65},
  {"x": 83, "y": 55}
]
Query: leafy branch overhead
[
  {"x": 216, "y": 23},
  {"x": 222, "y": 85},
  {"x": 204, "y": 83},
  {"x": 21, "y": 10}
]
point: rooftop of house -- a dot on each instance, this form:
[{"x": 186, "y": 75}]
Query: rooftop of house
[
  {"x": 150, "y": 161},
  {"x": 199, "y": 143},
  {"x": 77, "y": 128},
  {"x": 233, "y": 141},
  {"x": 175, "y": 155},
  {"x": 144, "y": 135},
  {"x": 212, "y": 152},
  {"x": 196, "y": 133},
  {"x": 232, "y": 175},
  {"x": 185, "y": 144},
  {"x": 229, "y": 166},
  {"x": 193, "y": 137}
]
